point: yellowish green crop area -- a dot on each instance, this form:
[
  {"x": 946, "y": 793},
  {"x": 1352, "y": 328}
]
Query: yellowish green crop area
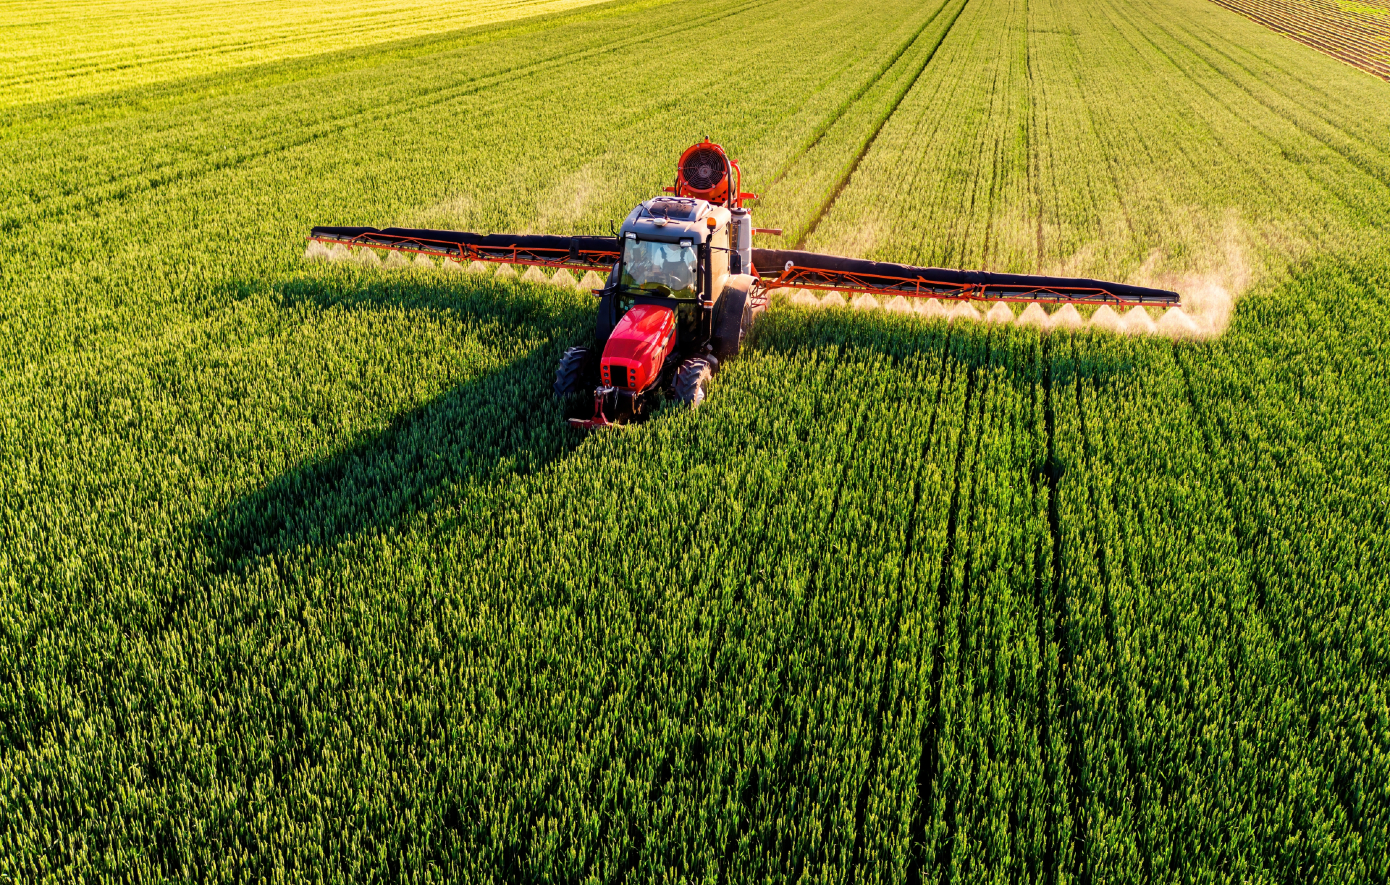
[
  {"x": 303, "y": 577},
  {"x": 67, "y": 50}
]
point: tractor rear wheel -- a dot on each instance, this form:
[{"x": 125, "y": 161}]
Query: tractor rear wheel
[
  {"x": 571, "y": 376},
  {"x": 692, "y": 381},
  {"x": 735, "y": 316}
]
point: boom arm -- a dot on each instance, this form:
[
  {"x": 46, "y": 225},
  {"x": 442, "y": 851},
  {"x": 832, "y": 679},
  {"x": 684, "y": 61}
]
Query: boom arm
[
  {"x": 580, "y": 253},
  {"x": 780, "y": 268}
]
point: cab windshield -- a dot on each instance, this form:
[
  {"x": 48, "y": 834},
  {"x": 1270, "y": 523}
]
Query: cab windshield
[{"x": 666, "y": 269}]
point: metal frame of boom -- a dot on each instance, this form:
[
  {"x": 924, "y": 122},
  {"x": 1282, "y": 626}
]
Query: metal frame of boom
[
  {"x": 533, "y": 256},
  {"x": 796, "y": 277}
]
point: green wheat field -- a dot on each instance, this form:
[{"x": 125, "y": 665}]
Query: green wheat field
[{"x": 306, "y": 579}]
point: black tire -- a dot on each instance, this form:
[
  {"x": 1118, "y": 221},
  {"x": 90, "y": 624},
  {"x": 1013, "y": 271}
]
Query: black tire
[
  {"x": 735, "y": 316},
  {"x": 572, "y": 375},
  {"x": 692, "y": 381}
]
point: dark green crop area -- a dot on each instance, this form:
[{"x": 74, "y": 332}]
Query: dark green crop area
[{"x": 303, "y": 577}]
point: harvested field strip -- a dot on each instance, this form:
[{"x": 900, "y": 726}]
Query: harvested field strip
[{"x": 1362, "y": 41}]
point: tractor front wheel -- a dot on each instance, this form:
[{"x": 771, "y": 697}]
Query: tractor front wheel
[
  {"x": 571, "y": 376},
  {"x": 692, "y": 381}
]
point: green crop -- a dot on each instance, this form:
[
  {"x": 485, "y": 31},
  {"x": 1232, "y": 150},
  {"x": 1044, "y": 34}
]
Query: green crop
[{"x": 305, "y": 578}]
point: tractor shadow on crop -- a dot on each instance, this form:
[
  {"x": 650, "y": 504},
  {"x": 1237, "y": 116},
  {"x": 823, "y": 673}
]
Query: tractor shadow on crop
[
  {"x": 505, "y": 423},
  {"x": 502, "y": 423}
]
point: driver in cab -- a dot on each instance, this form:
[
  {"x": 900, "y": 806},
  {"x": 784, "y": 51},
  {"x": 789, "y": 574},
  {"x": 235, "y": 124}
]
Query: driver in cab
[{"x": 662, "y": 264}]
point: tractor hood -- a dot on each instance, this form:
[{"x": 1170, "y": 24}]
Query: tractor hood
[
  {"x": 639, "y": 344},
  {"x": 672, "y": 219}
]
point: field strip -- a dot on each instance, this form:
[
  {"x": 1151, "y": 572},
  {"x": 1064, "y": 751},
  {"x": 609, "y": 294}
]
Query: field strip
[
  {"x": 1213, "y": 451},
  {"x": 977, "y": 221},
  {"x": 949, "y": 160},
  {"x": 1230, "y": 127},
  {"x": 819, "y": 585},
  {"x": 1192, "y": 157},
  {"x": 927, "y": 776},
  {"x": 805, "y": 177},
  {"x": 925, "y": 734},
  {"x": 888, "y": 688},
  {"x": 193, "y": 240},
  {"x": 764, "y": 546},
  {"x": 759, "y": 550},
  {"x": 1061, "y": 692},
  {"x": 1105, "y": 510},
  {"x": 1289, "y": 75},
  {"x": 843, "y": 179},
  {"x": 154, "y": 176},
  {"x": 1356, "y": 154},
  {"x": 1241, "y": 115},
  {"x": 155, "y": 99}
]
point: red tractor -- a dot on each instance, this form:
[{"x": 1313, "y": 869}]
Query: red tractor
[{"x": 685, "y": 284}]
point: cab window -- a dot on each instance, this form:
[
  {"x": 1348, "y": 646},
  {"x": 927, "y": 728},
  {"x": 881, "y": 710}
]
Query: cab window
[{"x": 663, "y": 269}]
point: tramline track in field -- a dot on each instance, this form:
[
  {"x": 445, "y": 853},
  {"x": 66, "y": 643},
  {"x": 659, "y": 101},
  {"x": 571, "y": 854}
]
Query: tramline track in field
[
  {"x": 849, "y": 103},
  {"x": 882, "y": 121}
]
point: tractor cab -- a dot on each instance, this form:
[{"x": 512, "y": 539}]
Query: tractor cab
[{"x": 675, "y": 254}]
